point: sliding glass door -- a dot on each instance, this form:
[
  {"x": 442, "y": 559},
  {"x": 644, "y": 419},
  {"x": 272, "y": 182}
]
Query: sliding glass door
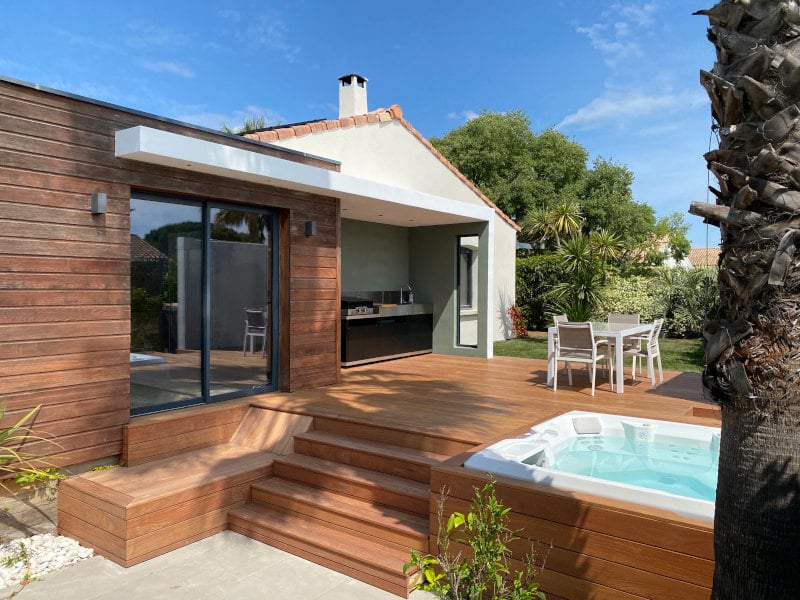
[{"x": 202, "y": 297}]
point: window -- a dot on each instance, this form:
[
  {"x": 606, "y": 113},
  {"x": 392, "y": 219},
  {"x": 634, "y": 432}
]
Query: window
[
  {"x": 197, "y": 268},
  {"x": 465, "y": 277},
  {"x": 467, "y": 290}
]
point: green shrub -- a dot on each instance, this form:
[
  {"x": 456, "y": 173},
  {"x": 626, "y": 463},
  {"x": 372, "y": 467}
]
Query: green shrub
[
  {"x": 537, "y": 277},
  {"x": 688, "y": 297},
  {"x": 487, "y": 573},
  {"x": 683, "y": 297},
  {"x": 632, "y": 295},
  {"x": 15, "y": 462}
]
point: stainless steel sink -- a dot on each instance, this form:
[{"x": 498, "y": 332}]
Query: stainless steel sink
[{"x": 400, "y": 310}]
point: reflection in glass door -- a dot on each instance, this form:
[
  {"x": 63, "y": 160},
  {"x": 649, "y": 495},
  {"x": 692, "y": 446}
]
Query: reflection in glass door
[
  {"x": 202, "y": 297},
  {"x": 467, "y": 290},
  {"x": 241, "y": 301}
]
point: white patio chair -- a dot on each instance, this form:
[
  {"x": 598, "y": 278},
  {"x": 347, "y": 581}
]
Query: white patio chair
[
  {"x": 651, "y": 351},
  {"x": 255, "y": 326},
  {"x": 575, "y": 343},
  {"x": 631, "y": 342}
]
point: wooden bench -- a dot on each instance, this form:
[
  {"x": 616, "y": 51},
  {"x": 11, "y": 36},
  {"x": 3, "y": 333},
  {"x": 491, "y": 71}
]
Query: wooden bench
[{"x": 130, "y": 514}]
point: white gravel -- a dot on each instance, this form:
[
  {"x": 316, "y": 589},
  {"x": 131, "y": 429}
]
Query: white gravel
[{"x": 27, "y": 559}]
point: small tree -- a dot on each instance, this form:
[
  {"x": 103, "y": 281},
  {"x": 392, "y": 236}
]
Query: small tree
[
  {"x": 486, "y": 573},
  {"x": 586, "y": 262}
]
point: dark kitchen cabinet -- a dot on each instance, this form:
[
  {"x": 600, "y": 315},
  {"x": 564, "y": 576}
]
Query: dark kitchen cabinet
[
  {"x": 359, "y": 340},
  {"x": 420, "y": 333},
  {"x": 368, "y": 339}
]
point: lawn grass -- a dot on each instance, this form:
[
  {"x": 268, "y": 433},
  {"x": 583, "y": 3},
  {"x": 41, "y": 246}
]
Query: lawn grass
[{"x": 676, "y": 355}]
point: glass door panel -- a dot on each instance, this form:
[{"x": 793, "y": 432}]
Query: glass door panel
[
  {"x": 166, "y": 267},
  {"x": 467, "y": 291},
  {"x": 240, "y": 291}
]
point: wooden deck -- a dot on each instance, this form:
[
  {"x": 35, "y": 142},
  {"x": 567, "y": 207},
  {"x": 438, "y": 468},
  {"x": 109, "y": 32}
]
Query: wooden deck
[
  {"x": 594, "y": 547},
  {"x": 386, "y": 439},
  {"x": 476, "y": 400}
]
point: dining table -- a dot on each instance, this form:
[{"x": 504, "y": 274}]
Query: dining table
[{"x": 613, "y": 332}]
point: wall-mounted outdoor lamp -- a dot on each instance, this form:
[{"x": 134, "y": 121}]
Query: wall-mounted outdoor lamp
[
  {"x": 311, "y": 228},
  {"x": 99, "y": 200}
]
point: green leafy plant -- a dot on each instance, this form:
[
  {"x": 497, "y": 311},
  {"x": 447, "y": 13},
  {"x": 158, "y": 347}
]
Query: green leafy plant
[
  {"x": 15, "y": 463},
  {"x": 485, "y": 572},
  {"x": 46, "y": 478}
]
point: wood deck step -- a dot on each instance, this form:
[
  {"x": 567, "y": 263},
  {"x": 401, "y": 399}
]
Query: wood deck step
[
  {"x": 402, "y": 436},
  {"x": 131, "y": 514},
  {"x": 402, "y": 461},
  {"x": 354, "y": 555},
  {"x": 365, "y": 484},
  {"x": 351, "y": 514}
]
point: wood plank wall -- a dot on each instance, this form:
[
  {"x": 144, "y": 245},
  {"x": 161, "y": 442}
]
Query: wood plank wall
[
  {"x": 593, "y": 547},
  {"x": 64, "y": 273}
]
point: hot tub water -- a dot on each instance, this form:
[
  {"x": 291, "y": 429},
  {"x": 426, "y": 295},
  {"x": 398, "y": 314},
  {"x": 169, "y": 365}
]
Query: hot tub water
[{"x": 656, "y": 463}]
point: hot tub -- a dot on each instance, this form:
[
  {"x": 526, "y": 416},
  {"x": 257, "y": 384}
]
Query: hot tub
[{"x": 666, "y": 465}]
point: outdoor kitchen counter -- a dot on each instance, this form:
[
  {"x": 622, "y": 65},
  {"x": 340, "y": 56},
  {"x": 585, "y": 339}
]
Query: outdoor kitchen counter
[
  {"x": 393, "y": 332},
  {"x": 396, "y": 310}
]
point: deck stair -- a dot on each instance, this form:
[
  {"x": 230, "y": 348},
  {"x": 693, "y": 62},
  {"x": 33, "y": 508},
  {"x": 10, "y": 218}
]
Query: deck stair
[{"x": 353, "y": 504}]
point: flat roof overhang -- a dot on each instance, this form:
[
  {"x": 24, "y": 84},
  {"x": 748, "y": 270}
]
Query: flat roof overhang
[{"x": 361, "y": 199}]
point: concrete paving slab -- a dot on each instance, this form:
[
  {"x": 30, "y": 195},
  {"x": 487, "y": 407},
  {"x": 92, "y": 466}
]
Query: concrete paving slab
[{"x": 226, "y": 565}]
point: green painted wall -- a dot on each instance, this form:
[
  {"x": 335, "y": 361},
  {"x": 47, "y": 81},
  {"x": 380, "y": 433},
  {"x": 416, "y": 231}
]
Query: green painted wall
[
  {"x": 433, "y": 260},
  {"x": 374, "y": 256}
]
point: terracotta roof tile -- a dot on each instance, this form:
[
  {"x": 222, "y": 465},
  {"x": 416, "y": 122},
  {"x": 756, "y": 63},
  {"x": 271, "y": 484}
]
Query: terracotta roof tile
[
  {"x": 700, "y": 257},
  {"x": 302, "y": 130},
  {"x": 143, "y": 251},
  {"x": 394, "y": 112},
  {"x": 288, "y": 132}
]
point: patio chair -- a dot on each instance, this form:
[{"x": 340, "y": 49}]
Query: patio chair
[
  {"x": 255, "y": 326},
  {"x": 575, "y": 343},
  {"x": 631, "y": 342},
  {"x": 651, "y": 351}
]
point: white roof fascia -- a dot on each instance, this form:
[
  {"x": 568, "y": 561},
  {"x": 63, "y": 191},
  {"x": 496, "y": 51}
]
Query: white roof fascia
[{"x": 368, "y": 200}]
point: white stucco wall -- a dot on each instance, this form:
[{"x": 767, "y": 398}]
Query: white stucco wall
[
  {"x": 388, "y": 152},
  {"x": 385, "y": 152}
]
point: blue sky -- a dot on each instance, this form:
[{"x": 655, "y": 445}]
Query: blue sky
[{"x": 619, "y": 77}]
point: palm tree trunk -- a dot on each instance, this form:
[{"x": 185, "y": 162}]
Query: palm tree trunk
[
  {"x": 756, "y": 527},
  {"x": 753, "y": 345}
]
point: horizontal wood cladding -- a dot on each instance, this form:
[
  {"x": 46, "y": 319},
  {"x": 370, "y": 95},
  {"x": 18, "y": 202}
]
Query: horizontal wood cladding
[
  {"x": 593, "y": 548},
  {"x": 27, "y": 105},
  {"x": 65, "y": 273}
]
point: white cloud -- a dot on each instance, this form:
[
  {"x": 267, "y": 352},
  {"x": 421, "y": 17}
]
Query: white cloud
[
  {"x": 621, "y": 107},
  {"x": 173, "y": 68},
  {"x": 215, "y": 120},
  {"x": 641, "y": 14},
  {"x": 83, "y": 40},
  {"x": 147, "y": 35},
  {"x": 614, "y": 47},
  {"x": 619, "y": 33},
  {"x": 267, "y": 30},
  {"x": 88, "y": 89},
  {"x": 463, "y": 115}
]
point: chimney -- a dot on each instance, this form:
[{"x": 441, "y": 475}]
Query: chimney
[{"x": 352, "y": 95}]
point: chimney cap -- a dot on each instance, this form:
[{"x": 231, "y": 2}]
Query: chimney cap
[{"x": 346, "y": 79}]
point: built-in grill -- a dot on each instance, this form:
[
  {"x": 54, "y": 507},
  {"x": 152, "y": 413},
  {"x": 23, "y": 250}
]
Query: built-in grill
[{"x": 353, "y": 305}]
